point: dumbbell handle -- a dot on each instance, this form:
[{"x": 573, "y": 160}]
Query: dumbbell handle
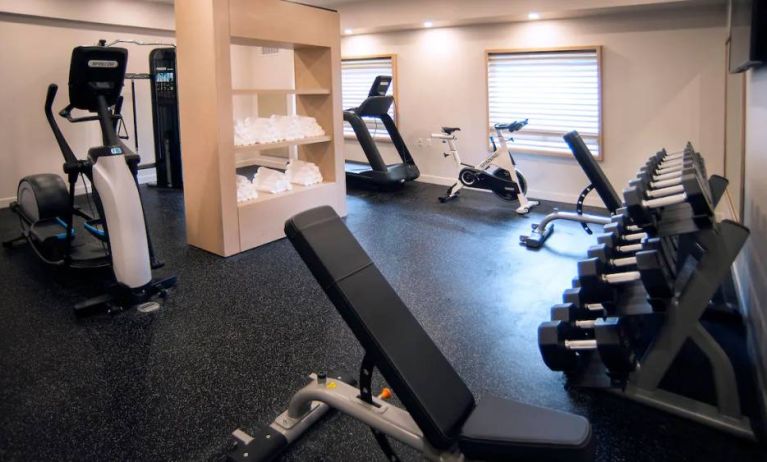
[
  {"x": 634, "y": 236},
  {"x": 675, "y": 155},
  {"x": 662, "y": 192},
  {"x": 673, "y": 162},
  {"x": 666, "y": 183},
  {"x": 585, "y": 323},
  {"x": 594, "y": 307},
  {"x": 670, "y": 169},
  {"x": 621, "y": 278},
  {"x": 625, "y": 261},
  {"x": 665, "y": 201},
  {"x": 581, "y": 344},
  {"x": 667, "y": 176},
  {"x": 629, "y": 248}
]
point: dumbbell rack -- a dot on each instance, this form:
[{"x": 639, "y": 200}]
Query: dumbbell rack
[
  {"x": 648, "y": 323},
  {"x": 680, "y": 323}
]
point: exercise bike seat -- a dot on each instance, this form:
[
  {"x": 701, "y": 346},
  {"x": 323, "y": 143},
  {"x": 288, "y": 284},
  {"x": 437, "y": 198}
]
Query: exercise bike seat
[
  {"x": 450, "y": 130},
  {"x": 498, "y": 429}
]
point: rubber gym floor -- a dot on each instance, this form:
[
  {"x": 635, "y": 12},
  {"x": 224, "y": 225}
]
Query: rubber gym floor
[{"x": 237, "y": 336}]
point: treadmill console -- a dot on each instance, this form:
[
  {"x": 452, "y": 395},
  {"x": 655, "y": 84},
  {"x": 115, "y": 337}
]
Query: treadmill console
[{"x": 380, "y": 86}]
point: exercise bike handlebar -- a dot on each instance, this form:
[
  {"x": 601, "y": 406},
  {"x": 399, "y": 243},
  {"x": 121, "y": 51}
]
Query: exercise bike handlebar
[
  {"x": 66, "y": 150},
  {"x": 512, "y": 127}
]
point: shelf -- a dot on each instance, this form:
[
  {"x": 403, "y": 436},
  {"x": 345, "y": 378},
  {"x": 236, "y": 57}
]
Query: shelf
[
  {"x": 283, "y": 144},
  {"x": 265, "y": 91},
  {"x": 208, "y": 103},
  {"x": 262, "y": 161},
  {"x": 296, "y": 191}
]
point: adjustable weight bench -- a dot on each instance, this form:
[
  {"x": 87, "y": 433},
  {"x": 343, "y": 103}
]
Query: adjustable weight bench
[
  {"x": 598, "y": 182},
  {"x": 441, "y": 418}
]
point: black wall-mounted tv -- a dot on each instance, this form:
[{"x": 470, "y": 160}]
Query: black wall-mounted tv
[{"x": 748, "y": 34}]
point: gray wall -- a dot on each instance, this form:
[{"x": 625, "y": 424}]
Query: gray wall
[{"x": 752, "y": 269}]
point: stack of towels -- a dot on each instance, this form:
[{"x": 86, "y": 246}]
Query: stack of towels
[{"x": 259, "y": 130}]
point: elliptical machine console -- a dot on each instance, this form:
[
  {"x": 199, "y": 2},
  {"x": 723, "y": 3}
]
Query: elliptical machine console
[
  {"x": 497, "y": 173},
  {"x": 115, "y": 235}
]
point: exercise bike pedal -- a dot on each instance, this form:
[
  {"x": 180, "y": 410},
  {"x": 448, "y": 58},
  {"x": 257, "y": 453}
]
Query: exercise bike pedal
[
  {"x": 148, "y": 307},
  {"x": 446, "y": 198}
]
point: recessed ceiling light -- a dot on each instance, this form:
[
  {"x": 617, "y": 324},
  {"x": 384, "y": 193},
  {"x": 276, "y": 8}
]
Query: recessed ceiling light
[
  {"x": 533, "y": 15},
  {"x": 428, "y": 24},
  {"x": 348, "y": 31}
]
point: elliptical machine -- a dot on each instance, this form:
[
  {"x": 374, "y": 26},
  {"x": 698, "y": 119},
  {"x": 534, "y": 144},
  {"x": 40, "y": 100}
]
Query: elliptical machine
[
  {"x": 117, "y": 236},
  {"x": 497, "y": 173}
]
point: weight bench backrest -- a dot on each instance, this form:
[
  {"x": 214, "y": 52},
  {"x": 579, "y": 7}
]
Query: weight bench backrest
[
  {"x": 593, "y": 171},
  {"x": 421, "y": 377}
]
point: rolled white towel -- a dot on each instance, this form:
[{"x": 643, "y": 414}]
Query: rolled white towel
[
  {"x": 245, "y": 189},
  {"x": 303, "y": 173},
  {"x": 271, "y": 181},
  {"x": 258, "y": 130}
]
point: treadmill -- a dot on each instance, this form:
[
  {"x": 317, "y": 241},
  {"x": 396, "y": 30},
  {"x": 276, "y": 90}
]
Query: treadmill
[{"x": 376, "y": 172}]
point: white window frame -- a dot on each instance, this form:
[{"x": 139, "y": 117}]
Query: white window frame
[
  {"x": 531, "y": 127},
  {"x": 380, "y": 134}
]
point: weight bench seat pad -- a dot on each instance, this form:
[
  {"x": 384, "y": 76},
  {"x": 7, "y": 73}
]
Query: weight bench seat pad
[
  {"x": 421, "y": 377},
  {"x": 500, "y": 429}
]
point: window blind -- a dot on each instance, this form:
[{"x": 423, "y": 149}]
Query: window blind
[
  {"x": 558, "y": 91},
  {"x": 357, "y": 75}
]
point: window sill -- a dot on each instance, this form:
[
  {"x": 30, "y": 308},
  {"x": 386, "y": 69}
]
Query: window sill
[{"x": 549, "y": 153}]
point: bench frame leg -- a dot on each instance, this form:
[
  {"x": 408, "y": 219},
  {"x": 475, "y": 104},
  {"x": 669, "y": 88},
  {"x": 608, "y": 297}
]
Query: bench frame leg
[{"x": 319, "y": 397}]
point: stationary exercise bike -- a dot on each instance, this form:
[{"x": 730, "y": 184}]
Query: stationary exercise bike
[
  {"x": 498, "y": 173},
  {"x": 117, "y": 236}
]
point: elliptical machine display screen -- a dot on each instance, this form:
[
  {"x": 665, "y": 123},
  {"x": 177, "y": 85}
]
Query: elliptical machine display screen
[
  {"x": 165, "y": 84},
  {"x": 163, "y": 77}
]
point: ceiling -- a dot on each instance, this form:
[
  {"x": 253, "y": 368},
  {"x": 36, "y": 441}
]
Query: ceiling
[{"x": 370, "y": 16}]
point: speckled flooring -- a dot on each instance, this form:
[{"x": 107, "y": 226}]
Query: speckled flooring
[{"x": 237, "y": 334}]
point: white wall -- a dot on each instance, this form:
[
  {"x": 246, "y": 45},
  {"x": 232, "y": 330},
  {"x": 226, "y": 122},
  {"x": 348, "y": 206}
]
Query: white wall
[
  {"x": 36, "y": 52},
  {"x": 663, "y": 75},
  {"x": 751, "y": 265}
]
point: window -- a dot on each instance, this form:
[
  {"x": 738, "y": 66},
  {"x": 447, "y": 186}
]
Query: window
[
  {"x": 557, "y": 90},
  {"x": 357, "y": 75}
]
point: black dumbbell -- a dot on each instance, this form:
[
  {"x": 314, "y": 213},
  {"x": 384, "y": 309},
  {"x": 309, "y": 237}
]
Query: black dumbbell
[
  {"x": 607, "y": 253},
  {"x": 643, "y": 212},
  {"x": 658, "y": 278},
  {"x": 597, "y": 285},
  {"x": 615, "y": 338},
  {"x": 668, "y": 162},
  {"x": 573, "y": 314},
  {"x": 612, "y": 339},
  {"x": 625, "y": 234},
  {"x": 664, "y": 183},
  {"x": 652, "y": 268},
  {"x": 618, "y": 246}
]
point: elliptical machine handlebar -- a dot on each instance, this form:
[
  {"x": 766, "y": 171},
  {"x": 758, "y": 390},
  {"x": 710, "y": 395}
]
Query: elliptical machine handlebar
[
  {"x": 66, "y": 150},
  {"x": 67, "y": 114}
]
